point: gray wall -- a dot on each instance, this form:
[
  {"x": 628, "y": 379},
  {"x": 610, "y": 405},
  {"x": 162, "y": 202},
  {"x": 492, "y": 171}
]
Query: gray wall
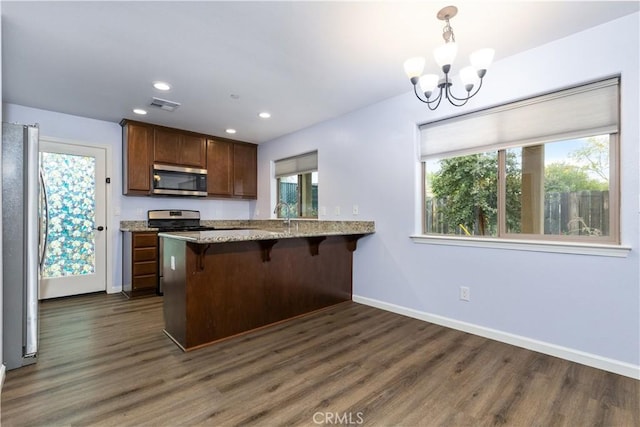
[{"x": 578, "y": 306}]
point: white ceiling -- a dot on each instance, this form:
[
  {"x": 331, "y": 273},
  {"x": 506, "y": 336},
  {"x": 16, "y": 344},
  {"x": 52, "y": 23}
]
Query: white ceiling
[{"x": 304, "y": 62}]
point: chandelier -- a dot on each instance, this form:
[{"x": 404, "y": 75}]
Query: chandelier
[{"x": 444, "y": 56}]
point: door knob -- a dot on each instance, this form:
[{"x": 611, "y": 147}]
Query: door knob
[{"x": 99, "y": 228}]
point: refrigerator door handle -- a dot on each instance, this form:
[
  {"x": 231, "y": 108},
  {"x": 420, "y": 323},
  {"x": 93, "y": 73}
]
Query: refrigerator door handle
[
  {"x": 44, "y": 222},
  {"x": 32, "y": 200}
]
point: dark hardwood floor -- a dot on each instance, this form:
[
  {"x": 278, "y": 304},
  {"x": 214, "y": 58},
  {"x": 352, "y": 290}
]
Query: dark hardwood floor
[{"x": 104, "y": 360}]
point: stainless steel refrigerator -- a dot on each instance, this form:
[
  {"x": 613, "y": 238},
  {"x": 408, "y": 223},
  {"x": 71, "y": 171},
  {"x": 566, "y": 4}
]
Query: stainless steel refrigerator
[{"x": 21, "y": 251}]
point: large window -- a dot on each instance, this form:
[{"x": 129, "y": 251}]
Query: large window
[
  {"x": 297, "y": 184},
  {"x": 533, "y": 179}
]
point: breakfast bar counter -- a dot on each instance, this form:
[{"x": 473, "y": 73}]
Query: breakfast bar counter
[{"x": 221, "y": 283}]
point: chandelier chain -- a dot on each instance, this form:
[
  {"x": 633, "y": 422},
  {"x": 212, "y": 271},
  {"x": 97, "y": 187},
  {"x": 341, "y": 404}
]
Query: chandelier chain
[{"x": 447, "y": 33}]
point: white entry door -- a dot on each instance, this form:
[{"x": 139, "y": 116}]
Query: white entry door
[{"x": 74, "y": 219}]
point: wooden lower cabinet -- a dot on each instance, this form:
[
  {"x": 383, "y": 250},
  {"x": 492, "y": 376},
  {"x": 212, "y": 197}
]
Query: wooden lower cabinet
[
  {"x": 215, "y": 291},
  {"x": 139, "y": 263}
]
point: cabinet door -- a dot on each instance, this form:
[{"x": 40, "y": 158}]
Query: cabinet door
[
  {"x": 193, "y": 151},
  {"x": 138, "y": 149},
  {"x": 166, "y": 147},
  {"x": 219, "y": 168},
  {"x": 144, "y": 284},
  {"x": 144, "y": 249},
  {"x": 145, "y": 240},
  {"x": 245, "y": 170}
]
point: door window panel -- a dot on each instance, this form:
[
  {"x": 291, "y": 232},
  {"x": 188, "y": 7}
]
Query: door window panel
[{"x": 70, "y": 185}]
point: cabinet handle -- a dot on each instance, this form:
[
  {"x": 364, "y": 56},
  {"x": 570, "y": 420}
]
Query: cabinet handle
[{"x": 99, "y": 228}]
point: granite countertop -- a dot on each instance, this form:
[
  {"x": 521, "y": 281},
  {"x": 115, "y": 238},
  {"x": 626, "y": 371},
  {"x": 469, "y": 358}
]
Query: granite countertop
[
  {"x": 243, "y": 230},
  {"x": 224, "y": 236},
  {"x": 142, "y": 225}
]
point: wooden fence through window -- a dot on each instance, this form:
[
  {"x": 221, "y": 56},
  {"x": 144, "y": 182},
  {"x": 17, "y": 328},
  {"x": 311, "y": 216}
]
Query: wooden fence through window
[{"x": 576, "y": 213}]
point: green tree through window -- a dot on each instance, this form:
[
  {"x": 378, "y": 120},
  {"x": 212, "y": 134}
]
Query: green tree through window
[
  {"x": 467, "y": 188},
  {"x": 556, "y": 188}
]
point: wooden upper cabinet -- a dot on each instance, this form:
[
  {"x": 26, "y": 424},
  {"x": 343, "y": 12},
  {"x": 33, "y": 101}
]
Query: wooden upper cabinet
[
  {"x": 137, "y": 155},
  {"x": 194, "y": 151},
  {"x": 245, "y": 170},
  {"x": 166, "y": 146},
  {"x": 232, "y": 166},
  {"x": 182, "y": 149},
  {"x": 219, "y": 168},
  {"x": 232, "y": 169}
]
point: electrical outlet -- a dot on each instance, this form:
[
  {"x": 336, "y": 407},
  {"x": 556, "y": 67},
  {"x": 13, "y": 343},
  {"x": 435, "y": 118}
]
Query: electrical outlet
[
  {"x": 336, "y": 211},
  {"x": 465, "y": 293},
  {"x": 356, "y": 210}
]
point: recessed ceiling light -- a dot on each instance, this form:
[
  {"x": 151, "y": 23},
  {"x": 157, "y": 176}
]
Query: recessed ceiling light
[
  {"x": 264, "y": 115},
  {"x": 162, "y": 86},
  {"x": 139, "y": 111},
  {"x": 230, "y": 130}
]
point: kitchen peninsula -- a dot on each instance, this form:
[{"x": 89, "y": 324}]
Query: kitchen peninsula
[{"x": 223, "y": 283}]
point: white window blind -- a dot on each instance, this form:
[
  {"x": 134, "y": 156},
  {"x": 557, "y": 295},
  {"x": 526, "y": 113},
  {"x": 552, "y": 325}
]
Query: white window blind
[
  {"x": 591, "y": 109},
  {"x": 295, "y": 165}
]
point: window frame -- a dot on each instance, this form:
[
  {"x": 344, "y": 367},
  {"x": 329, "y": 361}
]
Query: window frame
[
  {"x": 300, "y": 177},
  {"x": 580, "y": 111},
  {"x": 604, "y": 245},
  {"x": 614, "y": 204},
  {"x": 299, "y": 165}
]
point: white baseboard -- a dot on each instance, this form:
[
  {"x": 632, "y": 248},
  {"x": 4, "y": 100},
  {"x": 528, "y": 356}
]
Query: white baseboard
[{"x": 593, "y": 360}]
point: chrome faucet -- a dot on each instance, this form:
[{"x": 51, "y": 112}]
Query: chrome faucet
[{"x": 280, "y": 205}]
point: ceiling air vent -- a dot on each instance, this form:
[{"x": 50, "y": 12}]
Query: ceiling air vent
[{"x": 164, "y": 104}]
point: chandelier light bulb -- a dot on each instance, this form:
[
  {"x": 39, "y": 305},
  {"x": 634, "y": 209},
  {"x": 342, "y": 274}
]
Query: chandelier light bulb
[
  {"x": 481, "y": 59},
  {"x": 414, "y": 66},
  {"x": 468, "y": 75},
  {"x": 428, "y": 82},
  {"x": 445, "y": 54}
]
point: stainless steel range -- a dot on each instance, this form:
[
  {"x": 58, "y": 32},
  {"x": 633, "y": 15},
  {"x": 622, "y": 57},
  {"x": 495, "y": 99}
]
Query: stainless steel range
[
  {"x": 176, "y": 220},
  {"x": 173, "y": 220}
]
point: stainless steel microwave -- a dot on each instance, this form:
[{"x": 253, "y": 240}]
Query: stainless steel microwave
[{"x": 179, "y": 181}]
